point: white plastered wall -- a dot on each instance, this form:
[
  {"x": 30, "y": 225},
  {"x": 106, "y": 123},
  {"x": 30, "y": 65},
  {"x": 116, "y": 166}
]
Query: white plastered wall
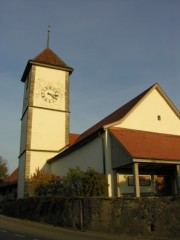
[
  {"x": 145, "y": 116},
  {"x": 48, "y": 130},
  {"x": 88, "y": 156},
  {"x": 38, "y": 160},
  {"x": 124, "y": 188},
  {"x": 50, "y": 77}
]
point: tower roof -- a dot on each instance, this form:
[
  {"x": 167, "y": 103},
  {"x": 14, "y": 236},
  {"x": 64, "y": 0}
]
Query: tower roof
[{"x": 46, "y": 58}]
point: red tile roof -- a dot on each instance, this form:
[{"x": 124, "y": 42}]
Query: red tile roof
[
  {"x": 148, "y": 145},
  {"x": 73, "y": 137},
  {"x": 13, "y": 177},
  {"x": 47, "y": 57}
]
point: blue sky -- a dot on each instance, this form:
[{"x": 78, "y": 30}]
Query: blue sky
[{"x": 118, "y": 49}]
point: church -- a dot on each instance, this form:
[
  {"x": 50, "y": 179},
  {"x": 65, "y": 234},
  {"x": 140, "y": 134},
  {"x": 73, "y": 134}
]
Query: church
[{"x": 137, "y": 146}]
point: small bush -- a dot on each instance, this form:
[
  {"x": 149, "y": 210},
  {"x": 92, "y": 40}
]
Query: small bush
[
  {"x": 89, "y": 183},
  {"x": 43, "y": 183},
  {"x": 94, "y": 183},
  {"x": 76, "y": 183}
]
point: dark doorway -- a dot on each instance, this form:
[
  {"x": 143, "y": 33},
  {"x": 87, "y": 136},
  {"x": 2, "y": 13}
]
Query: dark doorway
[{"x": 163, "y": 185}]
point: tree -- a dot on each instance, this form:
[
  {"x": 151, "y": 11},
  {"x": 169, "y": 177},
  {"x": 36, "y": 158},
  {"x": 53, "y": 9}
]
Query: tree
[
  {"x": 3, "y": 168},
  {"x": 43, "y": 183},
  {"x": 74, "y": 182},
  {"x": 89, "y": 183},
  {"x": 94, "y": 183},
  {"x": 38, "y": 183}
]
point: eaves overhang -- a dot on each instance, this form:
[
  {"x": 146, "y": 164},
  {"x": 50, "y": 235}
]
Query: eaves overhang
[
  {"x": 147, "y": 92},
  {"x": 75, "y": 146},
  {"x": 156, "y": 161},
  {"x": 37, "y": 63},
  {"x": 168, "y": 101},
  {"x": 8, "y": 184},
  {"x": 149, "y": 147}
]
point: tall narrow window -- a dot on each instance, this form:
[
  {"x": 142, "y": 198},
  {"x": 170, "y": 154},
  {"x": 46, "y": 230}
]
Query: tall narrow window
[{"x": 159, "y": 118}]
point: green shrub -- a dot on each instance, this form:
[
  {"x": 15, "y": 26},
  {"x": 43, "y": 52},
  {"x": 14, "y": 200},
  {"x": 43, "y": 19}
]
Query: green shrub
[
  {"x": 42, "y": 183},
  {"x": 76, "y": 183},
  {"x": 89, "y": 183},
  {"x": 94, "y": 183}
]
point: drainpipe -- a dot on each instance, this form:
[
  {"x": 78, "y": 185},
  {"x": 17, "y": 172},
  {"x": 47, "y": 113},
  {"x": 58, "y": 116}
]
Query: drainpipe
[{"x": 103, "y": 153}]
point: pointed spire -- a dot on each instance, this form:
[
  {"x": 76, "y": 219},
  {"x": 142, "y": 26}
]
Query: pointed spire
[{"x": 48, "y": 37}]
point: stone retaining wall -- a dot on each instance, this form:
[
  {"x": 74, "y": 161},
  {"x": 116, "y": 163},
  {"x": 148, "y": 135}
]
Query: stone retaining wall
[{"x": 144, "y": 216}]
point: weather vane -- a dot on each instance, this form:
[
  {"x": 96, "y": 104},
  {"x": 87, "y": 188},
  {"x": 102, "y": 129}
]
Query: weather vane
[{"x": 48, "y": 37}]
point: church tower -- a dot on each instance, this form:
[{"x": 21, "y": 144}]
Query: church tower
[{"x": 45, "y": 114}]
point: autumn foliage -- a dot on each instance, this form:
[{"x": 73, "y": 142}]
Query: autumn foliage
[
  {"x": 3, "y": 169},
  {"x": 43, "y": 183},
  {"x": 75, "y": 183}
]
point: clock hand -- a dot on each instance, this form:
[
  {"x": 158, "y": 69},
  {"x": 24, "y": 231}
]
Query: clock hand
[
  {"x": 49, "y": 94},
  {"x": 53, "y": 95}
]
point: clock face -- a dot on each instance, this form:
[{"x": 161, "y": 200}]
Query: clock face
[{"x": 49, "y": 94}]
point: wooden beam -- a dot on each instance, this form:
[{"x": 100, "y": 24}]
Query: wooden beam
[{"x": 136, "y": 179}]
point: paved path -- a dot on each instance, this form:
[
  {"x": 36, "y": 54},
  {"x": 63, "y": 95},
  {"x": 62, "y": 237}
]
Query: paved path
[{"x": 18, "y": 229}]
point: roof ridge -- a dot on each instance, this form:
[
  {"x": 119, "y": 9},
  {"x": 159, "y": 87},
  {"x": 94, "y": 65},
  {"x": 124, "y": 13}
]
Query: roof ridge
[
  {"x": 47, "y": 56},
  {"x": 144, "y": 131},
  {"x": 116, "y": 115}
]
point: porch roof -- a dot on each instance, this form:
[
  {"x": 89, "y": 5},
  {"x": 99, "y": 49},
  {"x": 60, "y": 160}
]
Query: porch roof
[{"x": 148, "y": 145}]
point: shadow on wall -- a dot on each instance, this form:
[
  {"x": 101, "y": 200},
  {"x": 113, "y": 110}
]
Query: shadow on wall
[{"x": 126, "y": 186}]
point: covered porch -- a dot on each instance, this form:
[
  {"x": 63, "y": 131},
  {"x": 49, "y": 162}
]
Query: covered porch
[
  {"x": 147, "y": 179},
  {"x": 145, "y": 163}
]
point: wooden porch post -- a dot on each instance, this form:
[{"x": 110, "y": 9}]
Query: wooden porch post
[
  {"x": 136, "y": 179},
  {"x": 115, "y": 183},
  {"x": 177, "y": 179}
]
